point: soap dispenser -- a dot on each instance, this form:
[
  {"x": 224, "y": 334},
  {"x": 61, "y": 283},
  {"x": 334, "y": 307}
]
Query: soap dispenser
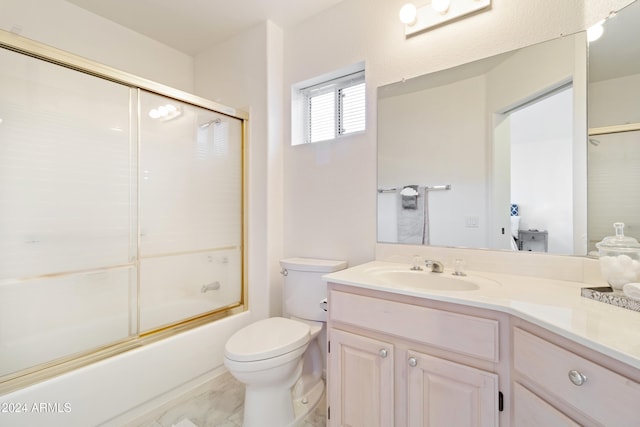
[{"x": 619, "y": 258}]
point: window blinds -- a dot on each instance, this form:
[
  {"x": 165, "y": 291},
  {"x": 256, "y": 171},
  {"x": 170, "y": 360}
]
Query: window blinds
[{"x": 335, "y": 108}]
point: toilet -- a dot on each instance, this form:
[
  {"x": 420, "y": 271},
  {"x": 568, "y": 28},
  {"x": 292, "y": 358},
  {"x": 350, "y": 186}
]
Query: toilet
[{"x": 281, "y": 360}]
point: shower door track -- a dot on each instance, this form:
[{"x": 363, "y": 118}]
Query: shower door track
[{"x": 607, "y": 130}]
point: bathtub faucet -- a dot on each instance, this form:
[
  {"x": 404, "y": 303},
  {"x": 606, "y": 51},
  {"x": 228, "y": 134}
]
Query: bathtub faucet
[{"x": 210, "y": 287}]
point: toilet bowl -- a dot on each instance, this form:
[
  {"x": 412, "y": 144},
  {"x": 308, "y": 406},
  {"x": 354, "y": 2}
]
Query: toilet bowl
[
  {"x": 280, "y": 360},
  {"x": 267, "y": 357}
]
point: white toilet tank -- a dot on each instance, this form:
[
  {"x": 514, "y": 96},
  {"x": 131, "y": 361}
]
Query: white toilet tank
[{"x": 304, "y": 288}]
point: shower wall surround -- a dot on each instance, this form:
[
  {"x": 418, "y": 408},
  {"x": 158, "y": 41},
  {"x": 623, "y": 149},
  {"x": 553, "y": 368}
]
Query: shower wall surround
[{"x": 122, "y": 214}]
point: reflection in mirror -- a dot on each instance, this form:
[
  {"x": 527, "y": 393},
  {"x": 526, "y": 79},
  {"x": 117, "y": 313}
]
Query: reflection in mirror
[
  {"x": 614, "y": 127},
  {"x": 490, "y": 154}
]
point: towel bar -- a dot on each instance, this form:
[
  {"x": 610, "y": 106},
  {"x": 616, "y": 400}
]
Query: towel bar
[{"x": 427, "y": 187}]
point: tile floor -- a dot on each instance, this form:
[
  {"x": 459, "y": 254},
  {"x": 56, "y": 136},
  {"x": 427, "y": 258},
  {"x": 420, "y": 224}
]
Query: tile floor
[{"x": 218, "y": 403}]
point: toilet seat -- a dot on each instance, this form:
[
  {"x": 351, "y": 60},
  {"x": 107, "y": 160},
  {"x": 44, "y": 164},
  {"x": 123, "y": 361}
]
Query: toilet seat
[{"x": 266, "y": 339}]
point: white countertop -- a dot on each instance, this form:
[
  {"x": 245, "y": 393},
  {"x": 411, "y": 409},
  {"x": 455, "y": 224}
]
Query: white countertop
[{"x": 555, "y": 305}]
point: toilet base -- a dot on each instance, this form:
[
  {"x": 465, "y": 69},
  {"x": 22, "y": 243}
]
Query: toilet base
[
  {"x": 281, "y": 410},
  {"x": 308, "y": 403}
]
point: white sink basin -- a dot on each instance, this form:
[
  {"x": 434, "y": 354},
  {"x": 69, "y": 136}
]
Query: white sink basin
[{"x": 433, "y": 281}]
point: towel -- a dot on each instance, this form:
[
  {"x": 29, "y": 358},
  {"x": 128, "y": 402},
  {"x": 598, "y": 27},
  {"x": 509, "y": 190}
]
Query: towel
[
  {"x": 514, "y": 245},
  {"x": 413, "y": 224},
  {"x": 632, "y": 290},
  {"x": 515, "y": 226},
  {"x": 410, "y": 197}
]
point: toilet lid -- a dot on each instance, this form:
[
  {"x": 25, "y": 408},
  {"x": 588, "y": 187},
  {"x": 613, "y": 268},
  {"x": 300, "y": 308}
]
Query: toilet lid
[{"x": 266, "y": 338}]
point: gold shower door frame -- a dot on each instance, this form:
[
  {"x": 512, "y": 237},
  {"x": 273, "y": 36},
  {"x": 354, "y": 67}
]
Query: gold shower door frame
[{"x": 138, "y": 338}]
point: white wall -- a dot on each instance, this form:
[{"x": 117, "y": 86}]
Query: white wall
[
  {"x": 330, "y": 197},
  {"x": 614, "y": 101},
  {"x": 68, "y": 27}
]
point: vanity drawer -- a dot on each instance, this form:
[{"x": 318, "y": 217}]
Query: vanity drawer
[
  {"x": 604, "y": 396},
  {"x": 468, "y": 335}
]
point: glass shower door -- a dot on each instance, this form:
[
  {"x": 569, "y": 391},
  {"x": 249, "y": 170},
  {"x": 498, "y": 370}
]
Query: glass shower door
[
  {"x": 121, "y": 214},
  {"x": 190, "y": 211},
  {"x": 614, "y": 184},
  {"x": 67, "y": 213}
]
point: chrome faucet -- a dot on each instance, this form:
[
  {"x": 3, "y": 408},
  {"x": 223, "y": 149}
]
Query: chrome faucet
[
  {"x": 434, "y": 266},
  {"x": 210, "y": 287}
]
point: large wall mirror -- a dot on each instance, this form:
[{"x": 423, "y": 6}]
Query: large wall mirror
[
  {"x": 496, "y": 154},
  {"x": 614, "y": 127}
]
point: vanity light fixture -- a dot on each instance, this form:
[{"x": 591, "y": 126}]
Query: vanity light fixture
[
  {"x": 438, "y": 12},
  {"x": 165, "y": 112},
  {"x": 595, "y": 31},
  {"x": 408, "y": 14},
  {"x": 441, "y": 6}
]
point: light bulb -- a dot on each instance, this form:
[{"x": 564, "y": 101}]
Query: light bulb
[
  {"x": 595, "y": 31},
  {"x": 440, "y": 5},
  {"x": 408, "y": 14},
  {"x": 154, "y": 114}
]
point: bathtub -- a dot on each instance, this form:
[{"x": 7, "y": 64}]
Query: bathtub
[
  {"x": 61, "y": 317},
  {"x": 119, "y": 389},
  {"x": 51, "y": 344},
  {"x": 45, "y": 319}
]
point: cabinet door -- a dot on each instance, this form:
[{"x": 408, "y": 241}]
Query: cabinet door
[
  {"x": 444, "y": 393},
  {"x": 531, "y": 411},
  {"x": 360, "y": 381}
]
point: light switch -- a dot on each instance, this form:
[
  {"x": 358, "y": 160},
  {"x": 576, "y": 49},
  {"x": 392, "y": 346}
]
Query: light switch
[{"x": 471, "y": 221}]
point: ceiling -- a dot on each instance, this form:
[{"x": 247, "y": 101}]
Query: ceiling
[{"x": 192, "y": 26}]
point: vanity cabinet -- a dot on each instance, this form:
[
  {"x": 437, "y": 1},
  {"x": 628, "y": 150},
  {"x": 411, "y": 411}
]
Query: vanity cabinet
[
  {"x": 362, "y": 395},
  {"x": 397, "y": 360},
  {"x": 559, "y": 383},
  {"x": 533, "y": 240}
]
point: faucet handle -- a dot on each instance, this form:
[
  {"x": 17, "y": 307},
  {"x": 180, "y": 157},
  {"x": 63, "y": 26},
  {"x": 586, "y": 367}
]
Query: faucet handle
[
  {"x": 459, "y": 266},
  {"x": 416, "y": 263}
]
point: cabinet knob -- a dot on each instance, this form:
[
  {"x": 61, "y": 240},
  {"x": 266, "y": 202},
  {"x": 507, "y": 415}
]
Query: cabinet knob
[
  {"x": 577, "y": 377},
  {"x": 413, "y": 362},
  {"x": 383, "y": 352}
]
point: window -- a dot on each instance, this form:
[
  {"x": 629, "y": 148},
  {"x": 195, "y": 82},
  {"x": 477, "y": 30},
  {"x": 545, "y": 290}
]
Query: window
[{"x": 334, "y": 108}]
